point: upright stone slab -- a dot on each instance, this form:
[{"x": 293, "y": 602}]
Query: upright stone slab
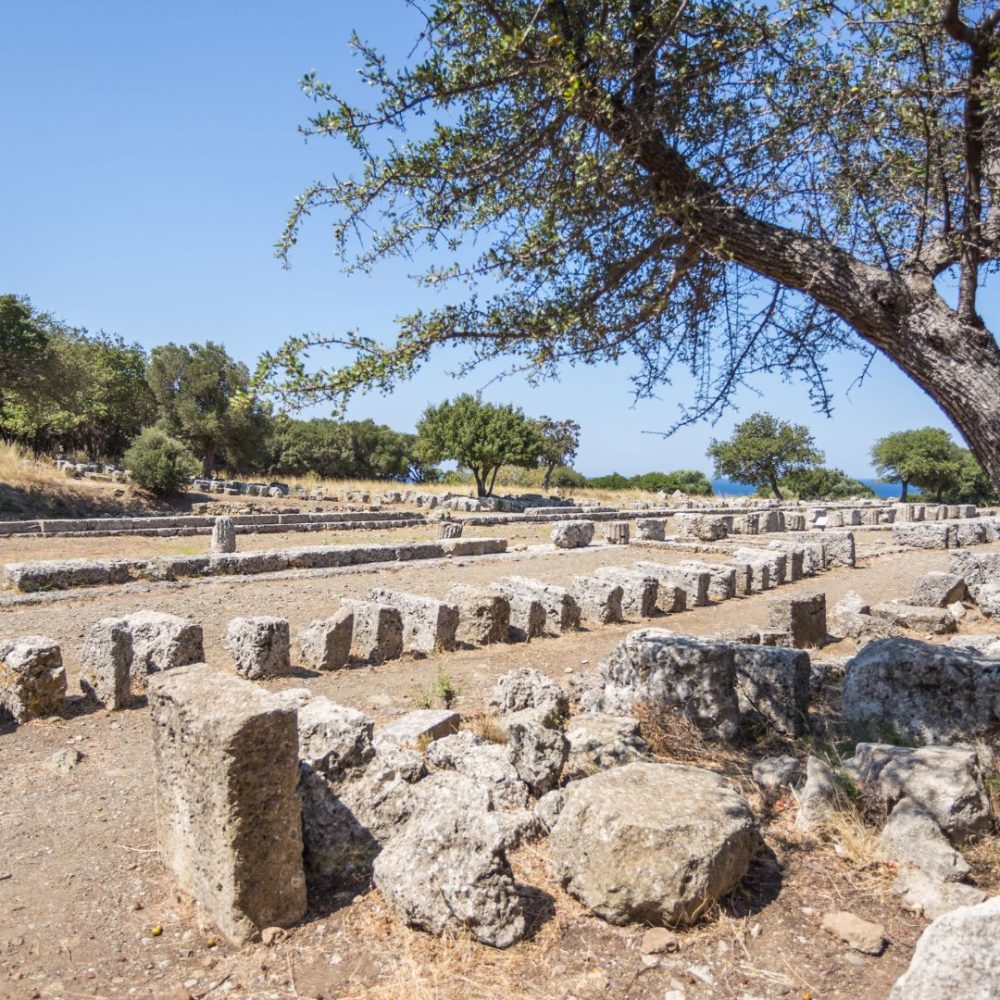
[
  {"x": 228, "y": 821},
  {"x": 639, "y": 590},
  {"x": 325, "y": 644},
  {"x": 450, "y": 529},
  {"x": 561, "y": 610},
  {"x": 694, "y": 582},
  {"x": 483, "y": 617},
  {"x": 772, "y": 686},
  {"x": 528, "y": 619},
  {"x": 802, "y": 616},
  {"x": 429, "y": 625},
  {"x": 223, "y": 535},
  {"x": 704, "y": 527},
  {"x": 106, "y": 662},
  {"x": 378, "y": 631},
  {"x": 259, "y": 646},
  {"x": 721, "y": 578},
  {"x": 616, "y": 532},
  {"x": 32, "y": 678},
  {"x": 651, "y": 529},
  {"x": 162, "y": 642},
  {"x": 599, "y": 598}
]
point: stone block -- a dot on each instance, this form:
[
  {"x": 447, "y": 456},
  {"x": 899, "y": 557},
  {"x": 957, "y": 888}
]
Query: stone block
[
  {"x": 721, "y": 578},
  {"x": 616, "y": 532},
  {"x": 223, "y": 535},
  {"x": 423, "y": 725},
  {"x": 483, "y": 617},
  {"x": 561, "y": 610},
  {"x": 639, "y": 590},
  {"x": 228, "y": 820},
  {"x": 802, "y": 616},
  {"x": 704, "y": 527},
  {"x": 106, "y": 663},
  {"x": 695, "y": 583},
  {"x": 429, "y": 625},
  {"x": 772, "y": 686},
  {"x": 32, "y": 678},
  {"x": 325, "y": 644},
  {"x": 599, "y": 598},
  {"x": 450, "y": 529},
  {"x": 652, "y": 529},
  {"x": 161, "y": 641},
  {"x": 572, "y": 534},
  {"x": 937, "y": 590},
  {"x": 936, "y": 621},
  {"x": 378, "y": 631},
  {"x": 259, "y": 646},
  {"x": 928, "y": 535}
]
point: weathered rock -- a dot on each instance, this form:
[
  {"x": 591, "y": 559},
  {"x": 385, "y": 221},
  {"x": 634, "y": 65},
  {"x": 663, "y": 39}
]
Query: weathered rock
[
  {"x": 988, "y": 599},
  {"x": 162, "y": 641},
  {"x": 693, "y": 582},
  {"x": 653, "y": 843},
  {"x": 773, "y": 773},
  {"x": 859, "y": 934},
  {"x": 599, "y": 598},
  {"x": 937, "y": 590},
  {"x": 924, "y": 535},
  {"x": 652, "y": 529},
  {"x": 561, "y": 610},
  {"x": 852, "y": 604},
  {"x": 32, "y": 678},
  {"x": 548, "y": 807},
  {"x": 528, "y": 619},
  {"x": 334, "y": 739},
  {"x": 704, "y": 527},
  {"x": 105, "y": 663},
  {"x": 911, "y": 836},
  {"x": 639, "y": 590},
  {"x": 223, "y": 535},
  {"x": 944, "y": 781},
  {"x": 818, "y": 797},
  {"x": 378, "y": 631},
  {"x": 598, "y": 742},
  {"x": 446, "y": 870},
  {"x": 228, "y": 821},
  {"x": 483, "y": 617},
  {"x": 955, "y": 957},
  {"x": 802, "y": 616},
  {"x": 527, "y": 688},
  {"x": 673, "y": 671},
  {"x": 259, "y": 646},
  {"x": 537, "y": 752},
  {"x": 325, "y": 644},
  {"x": 976, "y": 569},
  {"x": 488, "y": 764},
  {"x": 721, "y": 578},
  {"x": 572, "y": 534},
  {"x": 936, "y": 621},
  {"x": 424, "y": 725},
  {"x": 923, "y": 894},
  {"x": 616, "y": 532},
  {"x": 839, "y": 547},
  {"x": 429, "y": 626},
  {"x": 932, "y": 694},
  {"x": 775, "y": 561},
  {"x": 450, "y": 529},
  {"x": 772, "y": 686}
]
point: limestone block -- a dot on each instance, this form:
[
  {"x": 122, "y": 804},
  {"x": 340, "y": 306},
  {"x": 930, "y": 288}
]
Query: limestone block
[
  {"x": 802, "y": 616},
  {"x": 325, "y": 644},
  {"x": 32, "y": 678},
  {"x": 429, "y": 625},
  {"x": 483, "y": 616},
  {"x": 259, "y": 646},
  {"x": 378, "y": 631}
]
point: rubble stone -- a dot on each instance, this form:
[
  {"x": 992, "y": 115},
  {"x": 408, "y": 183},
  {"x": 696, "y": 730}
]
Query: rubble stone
[
  {"x": 429, "y": 626},
  {"x": 572, "y": 534},
  {"x": 483, "y": 617},
  {"x": 32, "y": 678}
]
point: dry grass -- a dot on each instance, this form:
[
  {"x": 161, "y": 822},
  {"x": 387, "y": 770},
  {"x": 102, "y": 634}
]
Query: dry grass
[
  {"x": 20, "y": 471},
  {"x": 487, "y": 727}
]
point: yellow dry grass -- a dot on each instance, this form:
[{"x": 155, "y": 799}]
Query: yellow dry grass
[{"x": 19, "y": 470}]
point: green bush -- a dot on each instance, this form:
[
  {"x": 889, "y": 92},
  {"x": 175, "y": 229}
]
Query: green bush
[{"x": 159, "y": 462}]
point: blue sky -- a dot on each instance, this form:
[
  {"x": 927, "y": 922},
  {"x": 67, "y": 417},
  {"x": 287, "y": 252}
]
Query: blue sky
[{"x": 151, "y": 157}]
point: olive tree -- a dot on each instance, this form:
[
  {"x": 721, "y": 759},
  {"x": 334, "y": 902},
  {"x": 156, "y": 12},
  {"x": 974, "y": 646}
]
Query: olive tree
[
  {"x": 480, "y": 436},
  {"x": 734, "y": 187},
  {"x": 764, "y": 450}
]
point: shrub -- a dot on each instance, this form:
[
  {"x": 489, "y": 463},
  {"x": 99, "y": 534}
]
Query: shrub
[{"x": 160, "y": 463}]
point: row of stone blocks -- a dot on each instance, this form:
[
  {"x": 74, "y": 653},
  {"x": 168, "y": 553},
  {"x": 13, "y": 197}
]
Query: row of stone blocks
[
  {"x": 946, "y": 534},
  {"x": 62, "y": 574},
  {"x": 201, "y": 523}
]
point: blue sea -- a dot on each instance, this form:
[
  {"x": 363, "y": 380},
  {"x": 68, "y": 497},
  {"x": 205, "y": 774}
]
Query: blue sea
[{"x": 725, "y": 487}]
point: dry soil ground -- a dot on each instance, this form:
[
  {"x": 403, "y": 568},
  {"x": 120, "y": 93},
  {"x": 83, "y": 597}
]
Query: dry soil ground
[{"x": 86, "y": 910}]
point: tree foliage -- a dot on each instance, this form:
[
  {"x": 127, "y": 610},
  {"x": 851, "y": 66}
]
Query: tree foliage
[
  {"x": 764, "y": 450},
  {"x": 204, "y": 399},
  {"x": 734, "y": 187},
  {"x": 160, "y": 463},
  {"x": 560, "y": 440},
  {"x": 23, "y": 339},
  {"x": 923, "y": 457},
  {"x": 480, "y": 436},
  {"x": 820, "y": 483}
]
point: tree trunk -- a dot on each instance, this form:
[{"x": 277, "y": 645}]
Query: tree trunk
[
  {"x": 897, "y": 311},
  {"x": 480, "y": 485},
  {"x": 549, "y": 469},
  {"x": 493, "y": 480},
  {"x": 208, "y": 462},
  {"x": 903, "y": 495},
  {"x": 774, "y": 488}
]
